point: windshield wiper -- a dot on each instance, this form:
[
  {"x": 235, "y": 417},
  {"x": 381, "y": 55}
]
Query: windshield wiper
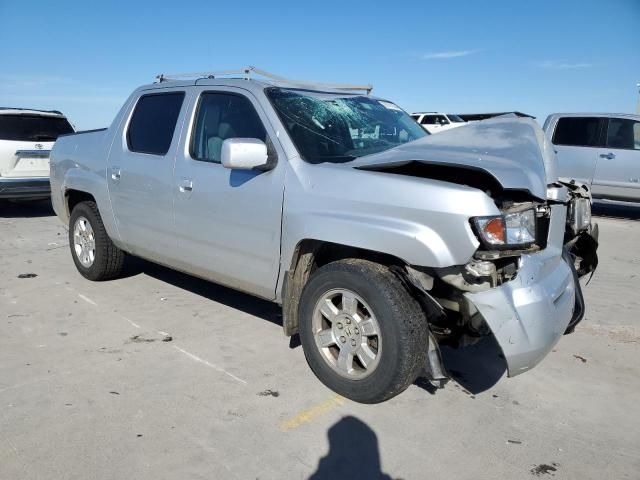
[{"x": 44, "y": 137}]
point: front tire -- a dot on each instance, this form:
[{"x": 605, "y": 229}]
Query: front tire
[
  {"x": 93, "y": 252},
  {"x": 364, "y": 335}
]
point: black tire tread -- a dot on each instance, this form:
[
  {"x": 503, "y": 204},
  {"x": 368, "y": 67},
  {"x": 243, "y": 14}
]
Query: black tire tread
[
  {"x": 406, "y": 311},
  {"x": 109, "y": 259}
]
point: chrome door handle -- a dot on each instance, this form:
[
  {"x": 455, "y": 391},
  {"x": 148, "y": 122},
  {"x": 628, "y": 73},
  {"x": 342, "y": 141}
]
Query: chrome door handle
[
  {"x": 187, "y": 186},
  {"x": 608, "y": 156},
  {"x": 115, "y": 173}
]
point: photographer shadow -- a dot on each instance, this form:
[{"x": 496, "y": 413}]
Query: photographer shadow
[{"x": 353, "y": 453}]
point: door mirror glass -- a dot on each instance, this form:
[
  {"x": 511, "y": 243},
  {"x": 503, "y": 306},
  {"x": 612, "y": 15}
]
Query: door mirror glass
[{"x": 244, "y": 154}]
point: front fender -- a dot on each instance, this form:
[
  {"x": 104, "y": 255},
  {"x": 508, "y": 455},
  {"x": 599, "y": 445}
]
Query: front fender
[{"x": 410, "y": 241}]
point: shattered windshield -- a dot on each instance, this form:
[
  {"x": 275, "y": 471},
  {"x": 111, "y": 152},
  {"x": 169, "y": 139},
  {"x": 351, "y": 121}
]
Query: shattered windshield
[{"x": 328, "y": 127}]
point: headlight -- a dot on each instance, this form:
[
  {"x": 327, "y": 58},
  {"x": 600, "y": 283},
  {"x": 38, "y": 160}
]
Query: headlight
[
  {"x": 579, "y": 215},
  {"x": 515, "y": 229}
]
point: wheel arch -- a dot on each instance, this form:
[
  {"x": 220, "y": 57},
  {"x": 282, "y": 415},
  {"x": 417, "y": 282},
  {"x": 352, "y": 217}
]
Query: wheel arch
[
  {"x": 73, "y": 196},
  {"x": 311, "y": 254}
]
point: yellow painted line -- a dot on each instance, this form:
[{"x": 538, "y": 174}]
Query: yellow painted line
[{"x": 309, "y": 415}]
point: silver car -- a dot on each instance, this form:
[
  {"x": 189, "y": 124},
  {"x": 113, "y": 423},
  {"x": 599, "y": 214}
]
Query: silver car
[
  {"x": 379, "y": 241},
  {"x": 602, "y": 150}
]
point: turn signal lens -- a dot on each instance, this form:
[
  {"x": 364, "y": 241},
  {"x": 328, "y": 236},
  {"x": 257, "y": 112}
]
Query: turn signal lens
[
  {"x": 493, "y": 230},
  {"x": 512, "y": 229}
]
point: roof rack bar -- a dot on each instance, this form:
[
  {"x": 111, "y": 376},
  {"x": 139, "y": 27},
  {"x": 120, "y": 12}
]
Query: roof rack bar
[{"x": 248, "y": 71}]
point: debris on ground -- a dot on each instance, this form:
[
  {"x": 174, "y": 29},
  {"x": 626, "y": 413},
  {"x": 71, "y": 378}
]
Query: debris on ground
[
  {"x": 269, "y": 393},
  {"x": 167, "y": 338},
  {"x": 544, "y": 469},
  {"x": 515, "y": 442},
  {"x": 28, "y": 275},
  {"x": 581, "y": 358},
  {"x": 140, "y": 339},
  {"x": 114, "y": 393}
]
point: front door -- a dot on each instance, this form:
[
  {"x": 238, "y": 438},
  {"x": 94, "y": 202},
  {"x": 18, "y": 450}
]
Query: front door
[
  {"x": 140, "y": 174},
  {"x": 618, "y": 171},
  {"x": 228, "y": 221},
  {"x": 576, "y": 142}
]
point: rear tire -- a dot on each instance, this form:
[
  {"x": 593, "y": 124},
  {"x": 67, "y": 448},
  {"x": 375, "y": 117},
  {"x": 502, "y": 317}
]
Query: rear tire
[
  {"x": 93, "y": 252},
  {"x": 362, "y": 308}
]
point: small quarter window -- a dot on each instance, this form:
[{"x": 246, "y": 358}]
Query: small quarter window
[
  {"x": 221, "y": 116},
  {"x": 154, "y": 122}
]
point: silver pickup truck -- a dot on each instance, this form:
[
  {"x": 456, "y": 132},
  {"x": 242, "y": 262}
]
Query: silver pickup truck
[
  {"x": 601, "y": 150},
  {"x": 380, "y": 241}
]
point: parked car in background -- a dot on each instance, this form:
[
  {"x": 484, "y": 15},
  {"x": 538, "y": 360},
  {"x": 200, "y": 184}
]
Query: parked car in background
[
  {"x": 601, "y": 150},
  {"x": 379, "y": 240},
  {"x": 26, "y": 138},
  {"x": 434, "y": 122}
]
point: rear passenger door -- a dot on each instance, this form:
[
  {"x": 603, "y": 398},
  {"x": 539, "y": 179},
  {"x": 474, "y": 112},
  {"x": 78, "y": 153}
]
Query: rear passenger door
[
  {"x": 140, "y": 174},
  {"x": 618, "y": 171},
  {"x": 228, "y": 222},
  {"x": 576, "y": 141}
]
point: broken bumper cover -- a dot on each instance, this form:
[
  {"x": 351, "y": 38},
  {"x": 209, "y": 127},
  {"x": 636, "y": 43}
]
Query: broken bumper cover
[
  {"x": 529, "y": 314},
  {"x": 35, "y": 187}
]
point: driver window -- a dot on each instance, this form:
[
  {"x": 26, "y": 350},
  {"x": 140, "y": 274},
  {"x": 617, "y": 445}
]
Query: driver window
[{"x": 221, "y": 116}]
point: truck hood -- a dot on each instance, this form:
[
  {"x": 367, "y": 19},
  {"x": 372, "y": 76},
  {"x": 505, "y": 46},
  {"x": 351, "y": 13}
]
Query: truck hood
[{"x": 513, "y": 151}]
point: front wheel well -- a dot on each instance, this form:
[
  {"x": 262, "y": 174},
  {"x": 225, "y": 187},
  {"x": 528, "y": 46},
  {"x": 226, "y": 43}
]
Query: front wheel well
[
  {"x": 310, "y": 255},
  {"x": 74, "y": 197}
]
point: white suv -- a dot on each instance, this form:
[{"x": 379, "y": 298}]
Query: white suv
[
  {"x": 26, "y": 139},
  {"x": 434, "y": 122}
]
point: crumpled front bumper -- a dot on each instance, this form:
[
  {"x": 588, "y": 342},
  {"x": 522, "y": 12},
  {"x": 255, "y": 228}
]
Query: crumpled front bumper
[{"x": 530, "y": 313}]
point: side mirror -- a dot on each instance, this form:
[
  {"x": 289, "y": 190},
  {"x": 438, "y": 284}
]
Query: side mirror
[{"x": 244, "y": 154}]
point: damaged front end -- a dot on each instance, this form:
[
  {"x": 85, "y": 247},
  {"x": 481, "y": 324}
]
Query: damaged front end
[{"x": 522, "y": 285}]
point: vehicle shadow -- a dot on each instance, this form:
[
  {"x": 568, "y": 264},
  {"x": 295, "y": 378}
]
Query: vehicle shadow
[
  {"x": 616, "y": 210},
  {"x": 26, "y": 209},
  {"x": 476, "y": 368},
  {"x": 217, "y": 293},
  {"x": 353, "y": 453}
]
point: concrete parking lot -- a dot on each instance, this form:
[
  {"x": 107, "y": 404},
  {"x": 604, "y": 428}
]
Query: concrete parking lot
[{"x": 160, "y": 375}]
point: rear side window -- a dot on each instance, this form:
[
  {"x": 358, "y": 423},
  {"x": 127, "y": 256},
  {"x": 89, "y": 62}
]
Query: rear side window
[
  {"x": 221, "y": 116},
  {"x": 623, "y": 133},
  {"x": 33, "y": 128},
  {"x": 454, "y": 118},
  {"x": 154, "y": 122},
  {"x": 578, "y": 131},
  {"x": 435, "y": 120}
]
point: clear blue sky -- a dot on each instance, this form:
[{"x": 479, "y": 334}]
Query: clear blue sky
[{"x": 537, "y": 56}]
